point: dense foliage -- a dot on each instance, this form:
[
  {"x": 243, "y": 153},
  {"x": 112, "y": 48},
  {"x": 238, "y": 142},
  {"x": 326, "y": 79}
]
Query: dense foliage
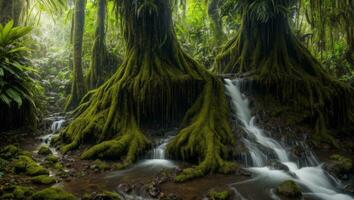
[{"x": 18, "y": 89}]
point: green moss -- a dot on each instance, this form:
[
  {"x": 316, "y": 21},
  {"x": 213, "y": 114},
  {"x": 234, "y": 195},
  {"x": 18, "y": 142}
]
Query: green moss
[
  {"x": 103, "y": 166},
  {"x": 58, "y": 166},
  {"x": 28, "y": 166},
  {"x": 43, "y": 179},
  {"x": 52, "y": 159},
  {"x": 341, "y": 164},
  {"x": 289, "y": 189},
  {"x": 53, "y": 194},
  {"x": 9, "y": 152},
  {"x": 224, "y": 195},
  {"x": 17, "y": 192},
  {"x": 44, "y": 150},
  {"x": 9, "y": 196},
  {"x": 26, "y": 153},
  {"x": 111, "y": 195},
  {"x": 3, "y": 164},
  {"x": 207, "y": 135}
]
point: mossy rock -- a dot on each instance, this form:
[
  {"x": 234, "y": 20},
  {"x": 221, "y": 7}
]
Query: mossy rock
[
  {"x": 223, "y": 195},
  {"x": 9, "y": 152},
  {"x": 102, "y": 166},
  {"x": 26, "y": 165},
  {"x": 17, "y": 192},
  {"x": 3, "y": 164},
  {"x": 52, "y": 159},
  {"x": 53, "y": 193},
  {"x": 44, "y": 150},
  {"x": 105, "y": 195},
  {"x": 44, "y": 180},
  {"x": 289, "y": 189},
  {"x": 26, "y": 153},
  {"x": 340, "y": 164}
]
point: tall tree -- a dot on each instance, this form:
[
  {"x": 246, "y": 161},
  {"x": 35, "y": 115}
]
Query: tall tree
[
  {"x": 99, "y": 51},
  {"x": 11, "y": 10},
  {"x": 266, "y": 51},
  {"x": 157, "y": 82},
  {"x": 217, "y": 25},
  {"x": 78, "y": 87}
]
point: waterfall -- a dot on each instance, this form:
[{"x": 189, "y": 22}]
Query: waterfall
[
  {"x": 262, "y": 149},
  {"x": 56, "y": 126}
]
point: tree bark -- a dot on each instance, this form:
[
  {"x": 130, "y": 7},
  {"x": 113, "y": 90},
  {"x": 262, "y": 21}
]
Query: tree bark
[
  {"x": 78, "y": 88},
  {"x": 214, "y": 15}
]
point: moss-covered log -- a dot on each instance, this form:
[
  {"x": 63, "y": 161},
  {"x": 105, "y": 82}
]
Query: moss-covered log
[
  {"x": 158, "y": 83},
  {"x": 267, "y": 53}
]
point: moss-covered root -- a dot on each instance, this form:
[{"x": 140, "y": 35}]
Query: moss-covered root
[
  {"x": 125, "y": 147},
  {"x": 321, "y": 134},
  {"x": 207, "y": 134}
]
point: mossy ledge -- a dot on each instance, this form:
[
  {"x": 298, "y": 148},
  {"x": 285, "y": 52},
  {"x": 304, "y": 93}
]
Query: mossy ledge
[{"x": 157, "y": 81}]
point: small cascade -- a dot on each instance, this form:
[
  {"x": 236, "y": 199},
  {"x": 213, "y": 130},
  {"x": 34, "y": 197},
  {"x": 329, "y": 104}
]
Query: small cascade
[
  {"x": 159, "y": 152},
  {"x": 263, "y": 149},
  {"x": 57, "y": 123}
]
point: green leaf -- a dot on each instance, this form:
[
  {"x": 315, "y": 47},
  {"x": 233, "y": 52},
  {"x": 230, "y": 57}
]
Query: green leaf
[{"x": 15, "y": 96}]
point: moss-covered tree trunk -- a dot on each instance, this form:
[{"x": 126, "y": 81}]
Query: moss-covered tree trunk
[
  {"x": 158, "y": 83},
  {"x": 78, "y": 88},
  {"x": 99, "y": 51},
  {"x": 11, "y": 10},
  {"x": 214, "y": 14},
  {"x": 267, "y": 52}
]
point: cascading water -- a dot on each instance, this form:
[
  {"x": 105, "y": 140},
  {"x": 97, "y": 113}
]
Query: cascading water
[
  {"x": 262, "y": 149},
  {"x": 57, "y": 123}
]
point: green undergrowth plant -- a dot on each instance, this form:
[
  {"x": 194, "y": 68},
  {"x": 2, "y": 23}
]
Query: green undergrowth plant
[{"x": 19, "y": 91}]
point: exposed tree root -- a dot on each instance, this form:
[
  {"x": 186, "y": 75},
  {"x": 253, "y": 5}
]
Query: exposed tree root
[
  {"x": 269, "y": 55},
  {"x": 207, "y": 134},
  {"x": 156, "y": 84}
]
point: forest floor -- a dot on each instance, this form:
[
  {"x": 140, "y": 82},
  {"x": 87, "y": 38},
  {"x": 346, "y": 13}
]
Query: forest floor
[{"x": 90, "y": 179}]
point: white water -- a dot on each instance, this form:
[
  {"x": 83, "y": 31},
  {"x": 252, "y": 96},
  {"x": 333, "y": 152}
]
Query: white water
[
  {"x": 312, "y": 177},
  {"x": 57, "y": 124}
]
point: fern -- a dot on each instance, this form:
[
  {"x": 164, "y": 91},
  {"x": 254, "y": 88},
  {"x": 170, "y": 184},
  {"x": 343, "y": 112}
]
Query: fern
[{"x": 15, "y": 75}]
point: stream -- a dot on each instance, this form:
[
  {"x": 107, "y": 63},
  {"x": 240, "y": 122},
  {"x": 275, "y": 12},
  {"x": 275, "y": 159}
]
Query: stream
[
  {"x": 268, "y": 160},
  {"x": 315, "y": 182}
]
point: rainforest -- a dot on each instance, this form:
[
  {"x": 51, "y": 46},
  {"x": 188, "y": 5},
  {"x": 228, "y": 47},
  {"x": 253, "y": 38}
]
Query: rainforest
[{"x": 176, "y": 99}]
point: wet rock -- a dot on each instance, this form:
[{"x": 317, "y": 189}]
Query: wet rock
[
  {"x": 289, "y": 189},
  {"x": 154, "y": 191},
  {"x": 125, "y": 188},
  {"x": 276, "y": 165},
  {"x": 349, "y": 188},
  {"x": 9, "y": 152},
  {"x": 43, "y": 180},
  {"x": 103, "y": 196},
  {"x": 214, "y": 195},
  {"x": 244, "y": 172},
  {"x": 25, "y": 164},
  {"x": 53, "y": 193},
  {"x": 169, "y": 197},
  {"x": 44, "y": 150},
  {"x": 340, "y": 166}
]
